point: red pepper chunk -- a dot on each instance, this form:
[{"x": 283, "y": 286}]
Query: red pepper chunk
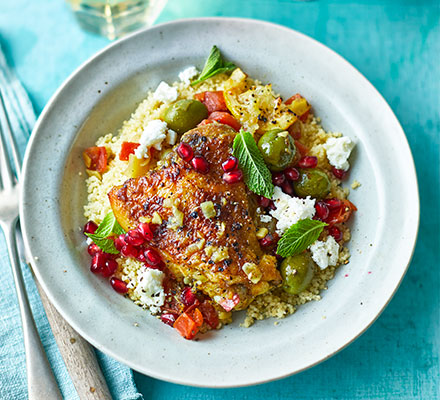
[
  {"x": 95, "y": 158},
  {"x": 303, "y": 116},
  {"x": 127, "y": 148},
  {"x": 186, "y": 326},
  {"x": 225, "y": 118},
  {"x": 291, "y": 99},
  {"x": 214, "y": 101},
  {"x": 303, "y": 150},
  {"x": 210, "y": 314},
  {"x": 341, "y": 214}
]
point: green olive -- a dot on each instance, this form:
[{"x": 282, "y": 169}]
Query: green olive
[
  {"x": 312, "y": 182},
  {"x": 184, "y": 115},
  {"x": 278, "y": 149},
  {"x": 297, "y": 272}
]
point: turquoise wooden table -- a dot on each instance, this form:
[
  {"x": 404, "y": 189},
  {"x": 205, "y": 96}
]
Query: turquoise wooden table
[{"x": 396, "y": 45}]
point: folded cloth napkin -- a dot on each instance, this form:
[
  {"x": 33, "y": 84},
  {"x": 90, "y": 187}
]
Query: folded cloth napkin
[{"x": 12, "y": 358}]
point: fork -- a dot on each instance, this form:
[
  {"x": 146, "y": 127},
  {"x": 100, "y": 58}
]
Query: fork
[{"x": 41, "y": 381}]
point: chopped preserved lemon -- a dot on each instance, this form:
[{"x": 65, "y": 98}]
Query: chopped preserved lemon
[
  {"x": 96, "y": 174},
  {"x": 156, "y": 218},
  {"x": 257, "y": 109},
  {"x": 261, "y": 233},
  {"x": 136, "y": 167},
  {"x": 208, "y": 209},
  {"x": 252, "y": 271}
]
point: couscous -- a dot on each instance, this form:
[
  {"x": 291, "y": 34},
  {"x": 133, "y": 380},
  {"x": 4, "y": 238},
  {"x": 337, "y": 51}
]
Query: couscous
[{"x": 218, "y": 196}]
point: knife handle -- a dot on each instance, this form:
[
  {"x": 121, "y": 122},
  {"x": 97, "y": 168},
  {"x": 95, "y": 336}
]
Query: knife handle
[{"x": 78, "y": 355}]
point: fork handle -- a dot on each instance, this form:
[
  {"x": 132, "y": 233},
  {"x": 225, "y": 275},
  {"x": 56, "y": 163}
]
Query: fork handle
[{"x": 41, "y": 381}]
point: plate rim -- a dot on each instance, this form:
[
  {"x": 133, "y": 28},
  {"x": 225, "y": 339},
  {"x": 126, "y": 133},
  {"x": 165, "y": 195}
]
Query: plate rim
[{"x": 150, "y": 371}]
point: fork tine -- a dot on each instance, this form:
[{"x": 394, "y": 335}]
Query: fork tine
[
  {"x": 6, "y": 175},
  {"x": 6, "y": 126}
]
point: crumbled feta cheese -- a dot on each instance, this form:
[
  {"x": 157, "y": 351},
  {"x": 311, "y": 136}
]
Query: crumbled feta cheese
[
  {"x": 150, "y": 289},
  {"x": 171, "y": 137},
  {"x": 152, "y": 136},
  {"x": 289, "y": 210},
  {"x": 265, "y": 218},
  {"x": 187, "y": 74},
  {"x": 165, "y": 93},
  {"x": 89, "y": 241},
  {"x": 325, "y": 253},
  {"x": 338, "y": 150}
]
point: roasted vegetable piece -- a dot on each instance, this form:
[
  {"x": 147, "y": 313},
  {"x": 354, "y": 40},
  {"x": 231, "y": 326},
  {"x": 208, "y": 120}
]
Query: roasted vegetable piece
[
  {"x": 299, "y": 106},
  {"x": 127, "y": 148},
  {"x": 95, "y": 158},
  {"x": 256, "y": 108},
  {"x": 184, "y": 115},
  {"x": 136, "y": 167},
  {"x": 342, "y": 213},
  {"x": 312, "y": 182},
  {"x": 225, "y": 118},
  {"x": 186, "y": 326},
  {"x": 278, "y": 149},
  {"x": 214, "y": 101},
  {"x": 297, "y": 272}
]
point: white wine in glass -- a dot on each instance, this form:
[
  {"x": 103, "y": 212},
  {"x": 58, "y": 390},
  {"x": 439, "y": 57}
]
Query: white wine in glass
[{"x": 115, "y": 18}]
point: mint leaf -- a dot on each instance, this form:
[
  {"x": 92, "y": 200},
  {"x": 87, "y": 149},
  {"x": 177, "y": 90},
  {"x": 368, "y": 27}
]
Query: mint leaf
[
  {"x": 214, "y": 65},
  {"x": 299, "y": 236},
  {"x": 255, "y": 172},
  {"x": 105, "y": 244},
  {"x": 109, "y": 226}
]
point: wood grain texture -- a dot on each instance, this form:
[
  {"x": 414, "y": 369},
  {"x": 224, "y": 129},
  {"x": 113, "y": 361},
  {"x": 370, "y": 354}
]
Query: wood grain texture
[{"x": 78, "y": 355}]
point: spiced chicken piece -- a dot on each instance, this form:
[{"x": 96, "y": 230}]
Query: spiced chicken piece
[{"x": 219, "y": 255}]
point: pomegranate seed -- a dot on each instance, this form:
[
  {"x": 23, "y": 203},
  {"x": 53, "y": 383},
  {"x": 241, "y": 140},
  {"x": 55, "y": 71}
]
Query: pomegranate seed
[
  {"x": 287, "y": 188},
  {"x": 339, "y": 173},
  {"x": 230, "y": 164},
  {"x": 322, "y": 211},
  {"x": 233, "y": 176},
  {"x": 200, "y": 164},
  {"x": 335, "y": 232},
  {"x": 152, "y": 257},
  {"x": 188, "y": 297},
  {"x": 141, "y": 257},
  {"x": 118, "y": 285},
  {"x": 272, "y": 205},
  {"x": 333, "y": 204},
  {"x": 90, "y": 227},
  {"x": 168, "y": 319},
  {"x": 185, "y": 151},
  {"x": 263, "y": 201},
  {"x": 145, "y": 230},
  {"x": 129, "y": 251},
  {"x": 120, "y": 242},
  {"x": 93, "y": 249},
  {"x": 267, "y": 241},
  {"x": 308, "y": 162},
  {"x": 278, "y": 178},
  {"x": 109, "y": 269},
  {"x": 135, "y": 238},
  {"x": 292, "y": 174},
  {"x": 98, "y": 263}
]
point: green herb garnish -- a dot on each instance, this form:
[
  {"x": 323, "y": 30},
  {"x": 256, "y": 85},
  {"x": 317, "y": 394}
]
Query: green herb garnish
[
  {"x": 299, "y": 236},
  {"x": 109, "y": 226},
  {"x": 256, "y": 174},
  {"x": 214, "y": 65}
]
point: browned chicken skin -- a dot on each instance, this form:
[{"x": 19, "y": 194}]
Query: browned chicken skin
[{"x": 206, "y": 253}]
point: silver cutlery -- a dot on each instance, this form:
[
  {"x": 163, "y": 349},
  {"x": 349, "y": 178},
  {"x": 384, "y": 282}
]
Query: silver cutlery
[{"x": 41, "y": 381}]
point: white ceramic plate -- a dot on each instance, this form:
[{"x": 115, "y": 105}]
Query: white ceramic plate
[{"x": 102, "y": 93}]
